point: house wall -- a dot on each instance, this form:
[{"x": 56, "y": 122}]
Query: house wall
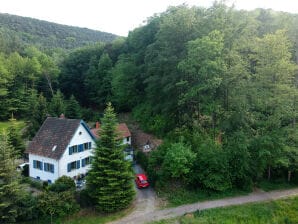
[
  {"x": 126, "y": 141},
  {"x": 41, "y": 174},
  {"x": 81, "y": 136}
]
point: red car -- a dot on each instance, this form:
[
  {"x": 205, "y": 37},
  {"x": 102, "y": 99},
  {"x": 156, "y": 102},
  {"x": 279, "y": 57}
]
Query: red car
[{"x": 141, "y": 180}]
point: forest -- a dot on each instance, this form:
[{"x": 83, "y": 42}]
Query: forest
[
  {"x": 16, "y": 31},
  {"x": 218, "y": 85}
]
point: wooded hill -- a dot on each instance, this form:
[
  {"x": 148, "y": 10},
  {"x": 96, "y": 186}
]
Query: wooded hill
[
  {"x": 23, "y": 30},
  {"x": 219, "y": 85}
]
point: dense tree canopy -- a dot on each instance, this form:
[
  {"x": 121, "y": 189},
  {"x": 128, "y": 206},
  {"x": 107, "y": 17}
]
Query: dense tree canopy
[
  {"x": 218, "y": 84},
  {"x": 110, "y": 179}
]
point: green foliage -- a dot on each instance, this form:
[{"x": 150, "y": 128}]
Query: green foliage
[
  {"x": 15, "y": 140},
  {"x": 281, "y": 211},
  {"x": 53, "y": 204},
  {"x": 109, "y": 180},
  {"x": 10, "y": 189},
  {"x": 99, "y": 74},
  {"x": 142, "y": 159},
  {"x": 178, "y": 162},
  {"x": 38, "y": 113},
  {"x": 239, "y": 159},
  {"x": 276, "y": 184},
  {"x": 212, "y": 167},
  {"x": 73, "y": 109},
  {"x": 57, "y": 105},
  {"x": 177, "y": 196},
  {"x": 44, "y": 34},
  {"x": 62, "y": 184},
  {"x": 74, "y": 69},
  {"x": 125, "y": 85}
]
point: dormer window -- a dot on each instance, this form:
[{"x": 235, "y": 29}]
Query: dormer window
[{"x": 54, "y": 148}]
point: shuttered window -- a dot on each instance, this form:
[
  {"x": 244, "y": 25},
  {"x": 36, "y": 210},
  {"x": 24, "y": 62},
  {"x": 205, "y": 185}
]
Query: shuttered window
[
  {"x": 37, "y": 164},
  {"x": 73, "y": 165},
  {"x": 48, "y": 167},
  {"x": 86, "y": 161}
]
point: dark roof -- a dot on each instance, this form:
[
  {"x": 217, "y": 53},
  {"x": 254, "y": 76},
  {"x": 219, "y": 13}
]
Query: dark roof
[
  {"x": 122, "y": 129},
  {"x": 53, "y": 137}
]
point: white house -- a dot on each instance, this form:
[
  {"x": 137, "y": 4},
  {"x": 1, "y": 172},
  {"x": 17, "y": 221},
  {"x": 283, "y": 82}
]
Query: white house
[
  {"x": 60, "y": 147},
  {"x": 123, "y": 134},
  {"x": 122, "y": 130}
]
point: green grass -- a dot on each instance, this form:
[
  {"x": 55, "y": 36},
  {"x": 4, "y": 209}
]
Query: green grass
[
  {"x": 84, "y": 216},
  {"x": 272, "y": 212},
  {"x": 180, "y": 196},
  {"x": 276, "y": 185},
  {"x": 4, "y": 125},
  {"x": 92, "y": 217}
]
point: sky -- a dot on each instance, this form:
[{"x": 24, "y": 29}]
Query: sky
[{"x": 118, "y": 16}]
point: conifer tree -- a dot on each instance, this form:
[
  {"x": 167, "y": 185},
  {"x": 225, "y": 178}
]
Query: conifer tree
[
  {"x": 15, "y": 140},
  {"x": 73, "y": 109},
  {"x": 57, "y": 106},
  {"x": 110, "y": 179},
  {"x": 10, "y": 190}
]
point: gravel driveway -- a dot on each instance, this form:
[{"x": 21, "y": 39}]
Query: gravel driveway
[
  {"x": 147, "y": 211},
  {"x": 146, "y": 202}
]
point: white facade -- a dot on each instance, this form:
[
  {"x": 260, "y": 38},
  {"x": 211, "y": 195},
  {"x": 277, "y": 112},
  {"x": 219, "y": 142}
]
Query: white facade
[
  {"x": 61, "y": 166},
  {"x": 41, "y": 174},
  {"x": 81, "y": 136},
  {"x": 126, "y": 141}
]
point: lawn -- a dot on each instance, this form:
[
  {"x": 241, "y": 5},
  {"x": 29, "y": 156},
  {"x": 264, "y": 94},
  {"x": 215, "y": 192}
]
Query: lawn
[
  {"x": 4, "y": 125},
  {"x": 181, "y": 196},
  {"x": 91, "y": 217},
  {"x": 276, "y": 185},
  {"x": 84, "y": 216},
  {"x": 280, "y": 211}
]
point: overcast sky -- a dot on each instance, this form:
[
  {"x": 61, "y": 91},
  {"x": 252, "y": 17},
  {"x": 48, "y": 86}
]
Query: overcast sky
[{"x": 118, "y": 16}]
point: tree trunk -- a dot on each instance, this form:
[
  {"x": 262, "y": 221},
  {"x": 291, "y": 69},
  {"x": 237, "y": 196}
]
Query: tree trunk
[
  {"x": 49, "y": 83},
  {"x": 269, "y": 172},
  {"x": 289, "y": 175}
]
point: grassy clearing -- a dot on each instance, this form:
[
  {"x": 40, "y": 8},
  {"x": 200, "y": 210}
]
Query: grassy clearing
[
  {"x": 6, "y": 124},
  {"x": 276, "y": 185},
  {"x": 92, "y": 217},
  {"x": 280, "y": 211},
  {"x": 180, "y": 196},
  {"x": 84, "y": 216}
]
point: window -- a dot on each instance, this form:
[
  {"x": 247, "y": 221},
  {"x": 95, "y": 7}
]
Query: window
[
  {"x": 48, "y": 167},
  {"x": 86, "y": 145},
  {"x": 79, "y": 148},
  {"x": 86, "y": 161},
  {"x": 73, "y": 165},
  {"x": 127, "y": 139},
  {"x": 37, "y": 164},
  {"x": 73, "y": 149}
]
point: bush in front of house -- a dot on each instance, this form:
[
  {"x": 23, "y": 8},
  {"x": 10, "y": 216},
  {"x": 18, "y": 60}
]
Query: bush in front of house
[
  {"x": 56, "y": 204},
  {"x": 63, "y": 183}
]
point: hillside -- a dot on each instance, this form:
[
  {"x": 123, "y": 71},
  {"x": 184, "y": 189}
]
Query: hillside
[{"x": 23, "y": 30}]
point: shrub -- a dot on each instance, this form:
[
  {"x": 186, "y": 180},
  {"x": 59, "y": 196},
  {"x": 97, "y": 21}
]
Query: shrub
[
  {"x": 84, "y": 199},
  {"x": 142, "y": 159},
  {"x": 53, "y": 204},
  {"x": 63, "y": 183}
]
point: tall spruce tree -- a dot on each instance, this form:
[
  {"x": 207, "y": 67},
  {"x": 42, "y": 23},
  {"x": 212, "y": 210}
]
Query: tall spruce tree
[
  {"x": 110, "y": 178},
  {"x": 15, "y": 140},
  {"x": 73, "y": 109},
  {"x": 10, "y": 191}
]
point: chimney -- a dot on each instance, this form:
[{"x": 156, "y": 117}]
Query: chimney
[
  {"x": 97, "y": 125},
  {"x": 62, "y": 116}
]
